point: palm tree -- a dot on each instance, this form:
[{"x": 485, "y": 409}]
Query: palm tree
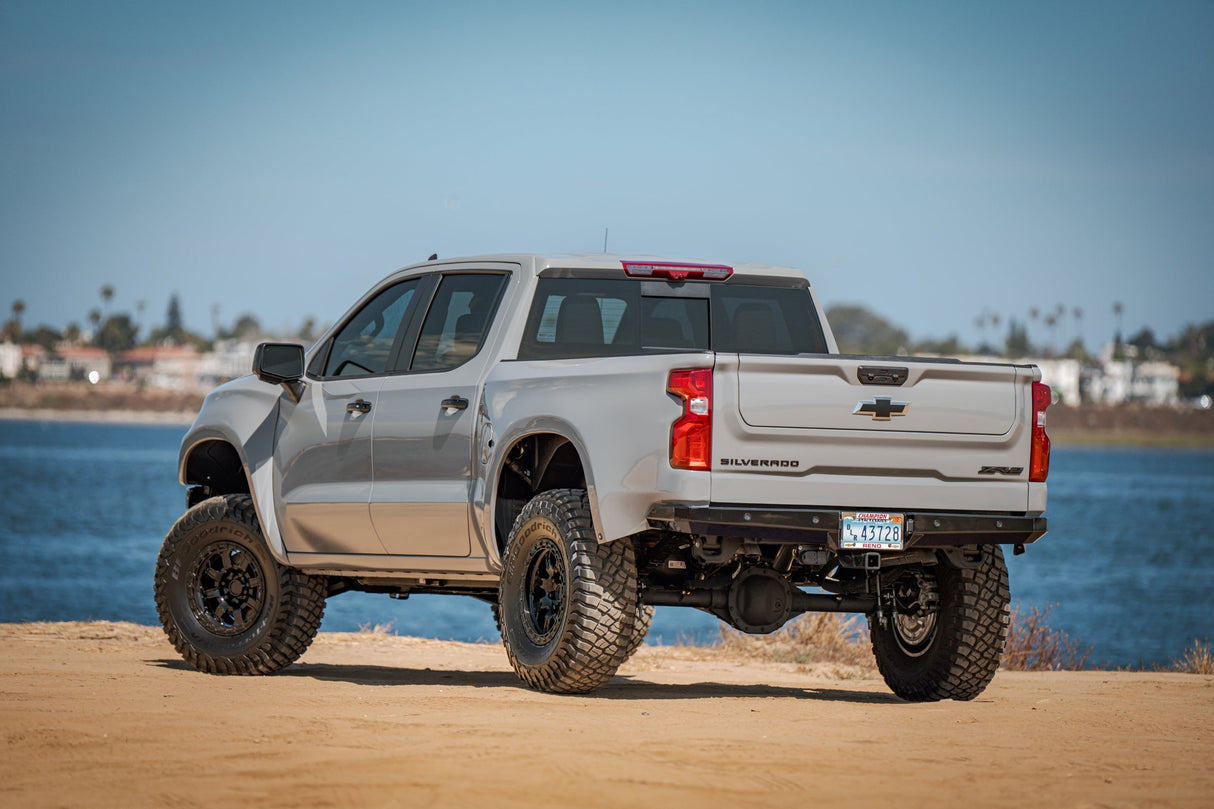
[
  {"x": 1117, "y": 352},
  {"x": 18, "y": 311},
  {"x": 107, "y": 295},
  {"x": 1051, "y": 321}
]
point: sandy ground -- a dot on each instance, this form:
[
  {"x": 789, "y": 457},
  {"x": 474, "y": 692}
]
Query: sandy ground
[{"x": 106, "y": 715}]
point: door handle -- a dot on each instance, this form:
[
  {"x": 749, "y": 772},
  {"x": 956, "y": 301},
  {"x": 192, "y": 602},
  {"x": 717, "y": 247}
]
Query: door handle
[
  {"x": 454, "y": 403},
  {"x": 359, "y": 406}
]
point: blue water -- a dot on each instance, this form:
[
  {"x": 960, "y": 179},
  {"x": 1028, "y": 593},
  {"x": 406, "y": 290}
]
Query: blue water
[{"x": 1128, "y": 563}]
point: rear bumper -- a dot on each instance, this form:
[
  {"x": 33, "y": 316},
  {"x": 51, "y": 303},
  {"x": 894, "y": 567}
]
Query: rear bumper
[{"x": 815, "y": 526}]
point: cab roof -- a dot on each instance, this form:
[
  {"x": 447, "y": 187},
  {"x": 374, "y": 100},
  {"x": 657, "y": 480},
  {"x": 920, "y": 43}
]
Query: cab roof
[{"x": 539, "y": 262}]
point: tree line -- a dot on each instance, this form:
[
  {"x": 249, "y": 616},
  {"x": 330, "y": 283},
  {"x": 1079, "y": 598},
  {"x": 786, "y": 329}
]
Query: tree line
[
  {"x": 857, "y": 330},
  {"x": 119, "y": 331},
  {"x": 860, "y": 331}
]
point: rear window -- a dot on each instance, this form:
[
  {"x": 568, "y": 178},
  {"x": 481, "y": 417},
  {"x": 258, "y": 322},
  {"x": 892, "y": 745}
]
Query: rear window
[
  {"x": 572, "y": 318},
  {"x": 765, "y": 320}
]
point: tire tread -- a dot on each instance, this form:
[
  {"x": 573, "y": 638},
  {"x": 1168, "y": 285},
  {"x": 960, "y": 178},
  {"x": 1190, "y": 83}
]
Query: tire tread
[
  {"x": 602, "y": 612},
  {"x": 296, "y": 623},
  {"x": 969, "y": 638}
]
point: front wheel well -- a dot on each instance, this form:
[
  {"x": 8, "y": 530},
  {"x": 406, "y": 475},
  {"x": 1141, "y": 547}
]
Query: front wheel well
[
  {"x": 214, "y": 468},
  {"x": 533, "y": 464}
]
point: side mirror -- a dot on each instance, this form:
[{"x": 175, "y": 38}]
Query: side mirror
[{"x": 281, "y": 364}]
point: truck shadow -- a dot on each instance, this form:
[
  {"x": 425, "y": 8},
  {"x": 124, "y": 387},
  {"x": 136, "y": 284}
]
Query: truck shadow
[{"x": 624, "y": 687}]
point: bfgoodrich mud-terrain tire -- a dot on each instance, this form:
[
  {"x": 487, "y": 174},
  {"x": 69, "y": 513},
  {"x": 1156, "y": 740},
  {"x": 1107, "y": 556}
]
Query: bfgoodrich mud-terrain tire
[
  {"x": 640, "y": 628},
  {"x": 954, "y": 653},
  {"x": 226, "y": 604},
  {"x": 567, "y": 605}
]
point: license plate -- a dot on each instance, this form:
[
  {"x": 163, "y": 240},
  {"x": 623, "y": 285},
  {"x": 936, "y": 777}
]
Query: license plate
[{"x": 871, "y": 531}]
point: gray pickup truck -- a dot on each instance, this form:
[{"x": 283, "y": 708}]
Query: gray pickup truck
[{"x": 577, "y": 439}]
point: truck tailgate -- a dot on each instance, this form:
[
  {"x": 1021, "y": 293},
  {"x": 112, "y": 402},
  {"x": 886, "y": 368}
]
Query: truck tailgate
[
  {"x": 776, "y": 391},
  {"x": 807, "y": 431}
]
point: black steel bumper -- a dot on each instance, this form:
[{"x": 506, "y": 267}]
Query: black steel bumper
[{"x": 815, "y": 526}]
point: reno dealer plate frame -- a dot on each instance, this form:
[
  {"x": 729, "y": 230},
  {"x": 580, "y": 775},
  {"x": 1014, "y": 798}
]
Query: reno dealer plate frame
[{"x": 871, "y": 530}]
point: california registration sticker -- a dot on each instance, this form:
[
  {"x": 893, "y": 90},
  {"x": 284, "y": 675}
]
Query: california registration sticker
[{"x": 871, "y": 531}]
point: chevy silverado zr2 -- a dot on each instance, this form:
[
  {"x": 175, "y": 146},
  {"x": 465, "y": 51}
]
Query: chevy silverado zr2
[{"x": 578, "y": 439}]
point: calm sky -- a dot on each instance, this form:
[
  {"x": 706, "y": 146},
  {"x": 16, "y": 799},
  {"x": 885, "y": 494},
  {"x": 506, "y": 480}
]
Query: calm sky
[{"x": 930, "y": 160}]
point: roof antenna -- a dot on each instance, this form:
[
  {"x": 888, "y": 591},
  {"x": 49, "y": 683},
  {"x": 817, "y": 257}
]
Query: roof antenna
[
  {"x": 604, "y": 240},
  {"x": 433, "y": 257}
]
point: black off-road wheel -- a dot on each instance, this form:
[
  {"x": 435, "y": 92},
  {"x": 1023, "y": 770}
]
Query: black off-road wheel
[
  {"x": 953, "y": 651},
  {"x": 226, "y": 604},
  {"x": 567, "y": 605}
]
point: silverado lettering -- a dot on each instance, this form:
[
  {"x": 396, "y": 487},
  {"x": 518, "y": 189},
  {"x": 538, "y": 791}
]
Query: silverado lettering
[{"x": 760, "y": 462}]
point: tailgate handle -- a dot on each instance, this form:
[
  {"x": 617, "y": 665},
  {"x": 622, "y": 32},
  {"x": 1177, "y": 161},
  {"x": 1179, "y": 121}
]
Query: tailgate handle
[{"x": 875, "y": 375}]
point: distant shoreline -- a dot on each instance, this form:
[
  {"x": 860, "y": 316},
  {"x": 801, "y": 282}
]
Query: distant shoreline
[
  {"x": 107, "y": 403},
  {"x": 1127, "y": 425},
  {"x": 178, "y": 418},
  {"x": 1130, "y": 425},
  {"x": 1065, "y": 437},
  {"x": 1128, "y": 440}
]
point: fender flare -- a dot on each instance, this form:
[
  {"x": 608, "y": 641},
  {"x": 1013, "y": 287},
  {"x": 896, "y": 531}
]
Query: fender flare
[
  {"x": 257, "y": 442},
  {"x": 497, "y": 465}
]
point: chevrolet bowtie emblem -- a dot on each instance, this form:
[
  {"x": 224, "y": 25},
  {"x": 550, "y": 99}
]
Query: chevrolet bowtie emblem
[{"x": 880, "y": 408}]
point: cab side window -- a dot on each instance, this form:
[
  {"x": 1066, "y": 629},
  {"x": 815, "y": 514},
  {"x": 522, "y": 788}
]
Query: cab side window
[
  {"x": 365, "y": 344},
  {"x": 457, "y": 321},
  {"x": 582, "y": 318}
]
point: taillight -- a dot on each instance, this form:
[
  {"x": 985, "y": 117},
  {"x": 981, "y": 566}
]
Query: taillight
[
  {"x": 691, "y": 433},
  {"x": 1039, "y": 456},
  {"x": 676, "y": 270}
]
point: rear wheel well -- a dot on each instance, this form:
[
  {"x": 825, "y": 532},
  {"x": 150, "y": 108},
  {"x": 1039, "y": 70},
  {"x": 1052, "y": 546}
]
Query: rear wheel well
[
  {"x": 534, "y": 464},
  {"x": 214, "y": 468}
]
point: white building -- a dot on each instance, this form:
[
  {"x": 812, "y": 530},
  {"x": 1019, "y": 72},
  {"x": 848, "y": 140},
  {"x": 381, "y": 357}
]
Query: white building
[
  {"x": 1062, "y": 375},
  {"x": 230, "y": 359},
  {"x": 10, "y": 360},
  {"x": 76, "y": 362},
  {"x": 168, "y": 367},
  {"x": 1109, "y": 381},
  {"x": 1156, "y": 383},
  {"x": 1114, "y": 381}
]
